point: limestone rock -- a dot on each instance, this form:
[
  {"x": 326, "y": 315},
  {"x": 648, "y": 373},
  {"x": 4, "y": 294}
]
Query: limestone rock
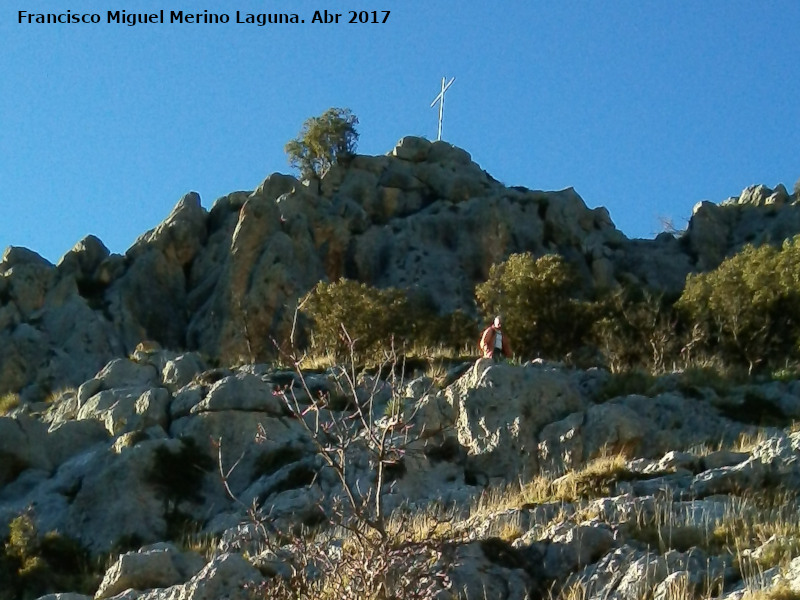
[
  {"x": 115, "y": 500},
  {"x": 576, "y": 548},
  {"x": 21, "y": 352},
  {"x": 410, "y": 148},
  {"x": 495, "y": 570},
  {"x": 80, "y": 342},
  {"x": 755, "y": 195},
  {"x": 148, "y": 302},
  {"x": 708, "y": 233},
  {"x": 582, "y": 436},
  {"x": 22, "y": 446},
  {"x": 123, "y": 373},
  {"x": 226, "y": 576},
  {"x": 260, "y": 275},
  {"x": 27, "y": 276},
  {"x": 127, "y": 409},
  {"x": 236, "y": 431},
  {"x": 501, "y": 409},
  {"x": 180, "y": 237},
  {"x": 180, "y": 371},
  {"x": 70, "y": 438},
  {"x": 156, "y": 566},
  {"x": 83, "y": 260},
  {"x": 241, "y": 392}
]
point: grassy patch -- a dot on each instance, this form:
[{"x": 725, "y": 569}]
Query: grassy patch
[
  {"x": 8, "y": 402},
  {"x": 627, "y": 383},
  {"x": 596, "y": 479},
  {"x": 767, "y": 521},
  {"x": 759, "y": 531},
  {"x": 782, "y": 591}
]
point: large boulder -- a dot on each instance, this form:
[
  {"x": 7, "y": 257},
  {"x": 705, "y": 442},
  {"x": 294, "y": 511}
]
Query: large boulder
[
  {"x": 124, "y": 410},
  {"x": 22, "y": 351},
  {"x": 22, "y": 446},
  {"x": 242, "y": 392},
  {"x": 83, "y": 261},
  {"x": 639, "y": 425},
  {"x": 117, "y": 500},
  {"x": 708, "y": 234},
  {"x": 28, "y": 278},
  {"x": 260, "y": 275},
  {"x": 157, "y": 566},
  {"x": 227, "y": 576},
  {"x": 237, "y": 435},
  {"x": 148, "y": 302},
  {"x": 500, "y": 410},
  {"x": 119, "y": 373}
]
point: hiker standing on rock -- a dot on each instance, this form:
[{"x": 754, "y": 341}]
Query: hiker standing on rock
[{"x": 494, "y": 343}]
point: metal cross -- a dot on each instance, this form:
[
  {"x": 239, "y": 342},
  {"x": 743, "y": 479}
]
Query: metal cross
[{"x": 440, "y": 100}]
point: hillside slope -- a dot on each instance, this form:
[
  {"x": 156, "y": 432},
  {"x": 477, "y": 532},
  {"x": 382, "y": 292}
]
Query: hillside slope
[{"x": 424, "y": 218}]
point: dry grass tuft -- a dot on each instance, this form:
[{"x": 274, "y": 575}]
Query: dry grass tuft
[
  {"x": 8, "y": 402},
  {"x": 782, "y": 591}
]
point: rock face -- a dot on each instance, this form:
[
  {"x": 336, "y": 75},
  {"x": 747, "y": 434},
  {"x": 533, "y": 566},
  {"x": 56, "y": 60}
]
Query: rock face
[
  {"x": 92, "y": 467},
  {"x": 156, "y": 566},
  {"x": 119, "y": 347},
  {"x": 483, "y": 400},
  {"x": 124, "y": 432},
  {"x": 225, "y": 282},
  {"x": 424, "y": 217}
]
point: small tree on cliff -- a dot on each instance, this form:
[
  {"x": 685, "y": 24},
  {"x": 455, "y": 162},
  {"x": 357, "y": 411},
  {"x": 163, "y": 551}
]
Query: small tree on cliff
[
  {"x": 535, "y": 297},
  {"x": 323, "y": 141}
]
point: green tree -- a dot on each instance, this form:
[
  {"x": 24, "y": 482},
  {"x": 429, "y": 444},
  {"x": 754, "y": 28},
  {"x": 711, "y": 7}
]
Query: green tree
[
  {"x": 32, "y": 565},
  {"x": 178, "y": 476},
  {"x": 322, "y": 142},
  {"x": 371, "y": 317},
  {"x": 535, "y": 298},
  {"x": 749, "y": 307},
  {"x": 636, "y": 329}
]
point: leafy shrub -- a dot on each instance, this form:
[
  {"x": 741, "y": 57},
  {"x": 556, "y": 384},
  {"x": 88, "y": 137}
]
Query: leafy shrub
[
  {"x": 371, "y": 317},
  {"x": 748, "y": 309},
  {"x": 455, "y": 330},
  {"x": 33, "y": 565},
  {"x": 636, "y": 330},
  {"x": 535, "y": 298},
  {"x": 178, "y": 477},
  {"x": 323, "y": 141}
]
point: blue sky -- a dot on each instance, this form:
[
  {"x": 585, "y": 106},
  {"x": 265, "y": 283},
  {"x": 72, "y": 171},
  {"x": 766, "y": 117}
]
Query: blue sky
[{"x": 643, "y": 107}]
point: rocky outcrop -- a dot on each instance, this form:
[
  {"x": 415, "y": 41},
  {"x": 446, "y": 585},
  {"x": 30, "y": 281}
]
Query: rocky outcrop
[
  {"x": 758, "y": 216},
  {"x": 225, "y": 282},
  {"x": 157, "y": 566},
  {"x": 424, "y": 217},
  {"x": 90, "y": 468},
  {"x": 110, "y": 355}
]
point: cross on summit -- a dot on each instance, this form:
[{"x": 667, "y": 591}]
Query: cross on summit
[{"x": 440, "y": 100}]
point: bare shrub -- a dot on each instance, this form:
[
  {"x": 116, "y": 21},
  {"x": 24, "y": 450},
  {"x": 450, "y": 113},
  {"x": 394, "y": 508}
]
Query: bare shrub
[{"x": 361, "y": 551}]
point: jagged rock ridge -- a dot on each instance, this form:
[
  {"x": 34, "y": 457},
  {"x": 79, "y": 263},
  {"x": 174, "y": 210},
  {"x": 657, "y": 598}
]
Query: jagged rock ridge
[{"x": 424, "y": 217}]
